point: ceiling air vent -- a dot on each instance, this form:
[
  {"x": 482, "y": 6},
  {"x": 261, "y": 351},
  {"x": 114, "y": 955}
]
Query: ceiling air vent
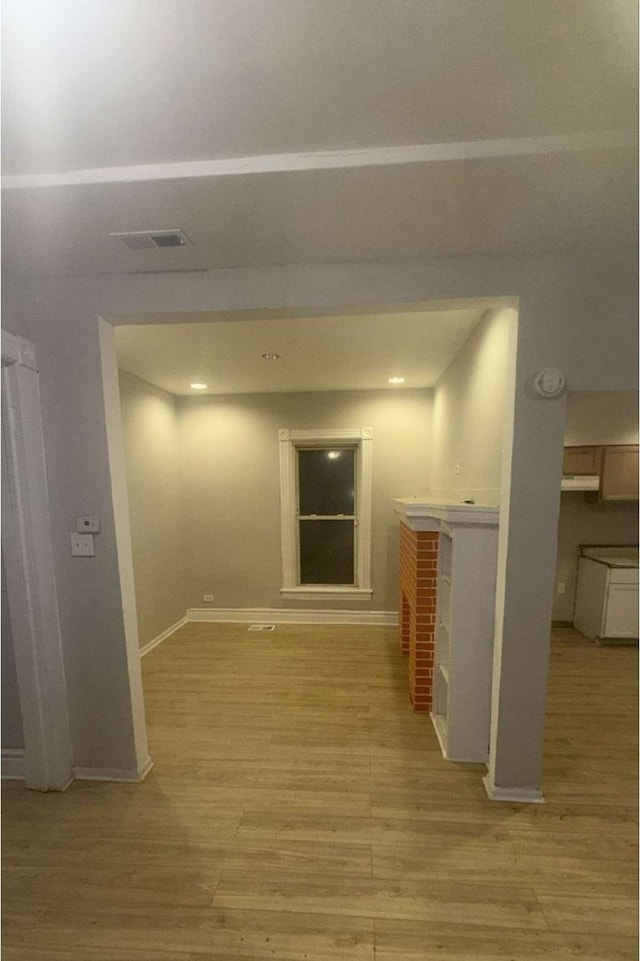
[{"x": 152, "y": 239}]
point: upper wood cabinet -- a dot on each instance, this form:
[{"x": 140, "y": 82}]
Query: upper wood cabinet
[
  {"x": 616, "y": 466},
  {"x": 619, "y": 477},
  {"x": 582, "y": 460}
]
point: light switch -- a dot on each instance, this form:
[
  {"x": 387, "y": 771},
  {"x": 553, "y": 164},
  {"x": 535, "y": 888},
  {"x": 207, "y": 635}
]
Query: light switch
[
  {"x": 82, "y": 545},
  {"x": 88, "y": 525}
]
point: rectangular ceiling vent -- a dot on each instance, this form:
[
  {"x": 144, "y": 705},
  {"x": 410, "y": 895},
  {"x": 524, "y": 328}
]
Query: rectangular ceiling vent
[
  {"x": 152, "y": 239},
  {"x": 169, "y": 270}
]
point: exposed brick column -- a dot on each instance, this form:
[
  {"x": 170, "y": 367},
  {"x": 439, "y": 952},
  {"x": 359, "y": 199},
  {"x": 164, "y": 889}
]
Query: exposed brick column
[
  {"x": 418, "y": 578},
  {"x": 407, "y": 580}
]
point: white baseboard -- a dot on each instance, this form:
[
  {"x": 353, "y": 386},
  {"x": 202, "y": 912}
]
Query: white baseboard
[
  {"x": 276, "y": 615},
  {"x": 12, "y": 768},
  {"x": 12, "y": 763},
  {"x": 149, "y": 646},
  {"x": 515, "y": 795},
  {"x": 113, "y": 774}
]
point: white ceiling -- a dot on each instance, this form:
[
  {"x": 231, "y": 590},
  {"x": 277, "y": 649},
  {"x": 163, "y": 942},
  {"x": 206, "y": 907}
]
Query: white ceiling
[
  {"x": 358, "y": 352},
  {"x": 512, "y": 121}
]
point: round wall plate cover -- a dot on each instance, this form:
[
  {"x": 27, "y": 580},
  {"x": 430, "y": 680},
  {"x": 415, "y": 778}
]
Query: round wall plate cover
[{"x": 549, "y": 382}]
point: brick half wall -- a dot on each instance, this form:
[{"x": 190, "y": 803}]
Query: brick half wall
[{"x": 418, "y": 579}]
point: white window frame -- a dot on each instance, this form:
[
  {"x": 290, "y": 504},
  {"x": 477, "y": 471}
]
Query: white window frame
[{"x": 289, "y": 441}]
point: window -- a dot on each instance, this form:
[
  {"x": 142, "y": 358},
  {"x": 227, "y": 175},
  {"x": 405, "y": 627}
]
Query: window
[{"x": 325, "y": 492}]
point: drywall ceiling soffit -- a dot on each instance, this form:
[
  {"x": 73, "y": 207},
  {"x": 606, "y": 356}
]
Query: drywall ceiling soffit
[
  {"x": 329, "y": 214},
  {"x": 357, "y": 352}
]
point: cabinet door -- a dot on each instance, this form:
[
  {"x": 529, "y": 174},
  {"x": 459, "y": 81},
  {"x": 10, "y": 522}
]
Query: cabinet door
[
  {"x": 619, "y": 479},
  {"x": 621, "y": 617},
  {"x": 581, "y": 460}
]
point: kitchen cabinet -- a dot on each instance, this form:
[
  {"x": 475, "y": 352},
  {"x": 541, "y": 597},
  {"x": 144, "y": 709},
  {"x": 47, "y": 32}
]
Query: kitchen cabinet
[
  {"x": 614, "y": 466},
  {"x": 619, "y": 477},
  {"x": 607, "y": 593},
  {"x": 582, "y": 460}
]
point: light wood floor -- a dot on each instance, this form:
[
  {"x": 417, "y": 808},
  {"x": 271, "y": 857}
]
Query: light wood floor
[{"x": 299, "y": 810}]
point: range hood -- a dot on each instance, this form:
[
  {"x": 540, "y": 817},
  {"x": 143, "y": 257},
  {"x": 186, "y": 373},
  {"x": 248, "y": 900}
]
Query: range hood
[{"x": 580, "y": 482}]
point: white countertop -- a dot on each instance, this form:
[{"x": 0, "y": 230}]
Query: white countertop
[
  {"x": 612, "y": 556},
  {"x": 412, "y": 510}
]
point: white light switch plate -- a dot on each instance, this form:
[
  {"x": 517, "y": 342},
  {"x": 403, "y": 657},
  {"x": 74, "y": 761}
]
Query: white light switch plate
[{"x": 82, "y": 545}]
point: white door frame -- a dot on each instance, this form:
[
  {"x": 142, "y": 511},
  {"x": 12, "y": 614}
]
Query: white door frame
[
  {"x": 118, "y": 474},
  {"x": 31, "y": 590}
]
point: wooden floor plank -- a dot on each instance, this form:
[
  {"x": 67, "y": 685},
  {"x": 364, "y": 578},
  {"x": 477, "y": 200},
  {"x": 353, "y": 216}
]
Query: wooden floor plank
[
  {"x": 298, "y": 809},
  {"x": 433, "y": 900},
  {"x": 420, "y": 941}
]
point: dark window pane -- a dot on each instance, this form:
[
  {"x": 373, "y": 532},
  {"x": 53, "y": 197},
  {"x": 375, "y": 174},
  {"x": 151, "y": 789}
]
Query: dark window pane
[
  {"x": 326, "y": 552},
  {"x": 325, "y": 481}
]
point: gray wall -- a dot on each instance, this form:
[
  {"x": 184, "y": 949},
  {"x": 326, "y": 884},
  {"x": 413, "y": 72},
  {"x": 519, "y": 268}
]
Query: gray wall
[
  {"x": 593, "y": 418},
  {"x": 150, "y": 432},
  {"x": 578, "y": 313},
  {"x": 12, "y": 736},
  {"x": 231, "y": 486},
  {"x": 469, "y": 414}
]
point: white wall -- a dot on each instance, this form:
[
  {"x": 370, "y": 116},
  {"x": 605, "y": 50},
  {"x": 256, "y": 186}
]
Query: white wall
[
  {"x": 150, "y": 430},
  {"x": 601, "y": 417},
  {"x": 469, "y": 414},
  {"x": 593, "y": 418},
  {"x": 231, "y": 486},
  {"x": 576, "y": 313}
]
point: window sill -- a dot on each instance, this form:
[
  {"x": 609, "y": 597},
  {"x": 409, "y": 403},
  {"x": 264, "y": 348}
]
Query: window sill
[{"x": 322, "y": 593}]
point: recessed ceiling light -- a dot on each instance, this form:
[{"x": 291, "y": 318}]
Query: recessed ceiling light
[
  {"x": 198, "y": 386},
  {"x": 269, "y": 356},
  {"x": 396, "y": 380}
]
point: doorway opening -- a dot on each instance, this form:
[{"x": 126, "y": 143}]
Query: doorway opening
[{"x": 219, "y": 502}]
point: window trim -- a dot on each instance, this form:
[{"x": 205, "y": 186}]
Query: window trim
[{"x": 289, "y": 440}]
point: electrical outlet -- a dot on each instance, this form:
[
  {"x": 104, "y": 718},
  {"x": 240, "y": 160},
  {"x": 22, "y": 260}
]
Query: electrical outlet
[
  {"x": 82, "y": 545},
  {"x": 207, "y": 597},
  {"x": 456, "y": 469},
  {"x": 561, "y": 588}
]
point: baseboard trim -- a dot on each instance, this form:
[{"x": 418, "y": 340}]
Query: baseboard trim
[
  {"x": 12, "y": 763},
  {"x": 266, "y": 615},
  {"x": 513, "y": 794},
  {"x": 113, "y": 774},
  {"x": 149, "y": 646}
]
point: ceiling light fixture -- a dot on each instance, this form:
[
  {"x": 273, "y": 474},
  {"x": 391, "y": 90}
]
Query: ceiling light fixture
[
  {"x": 269, "y": 356},
  {"x": 396, "y": 380},
  {"x": 198, "y": 386}
]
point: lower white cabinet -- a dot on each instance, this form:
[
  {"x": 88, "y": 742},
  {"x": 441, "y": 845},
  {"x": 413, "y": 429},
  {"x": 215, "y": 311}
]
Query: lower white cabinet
[
  {"x": 607, "y": 594},
  {"x": 465, "y": 621},
  {"x": 465, "y": 615}
]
